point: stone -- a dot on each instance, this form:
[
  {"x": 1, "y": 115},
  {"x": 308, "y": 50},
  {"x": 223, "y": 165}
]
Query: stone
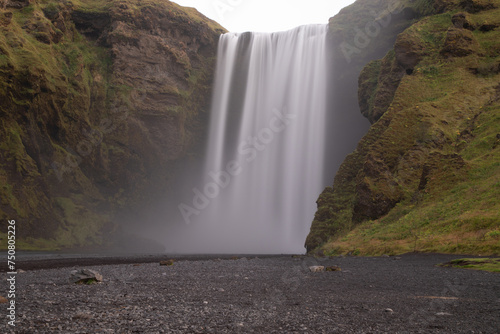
[
  {"x": 389, "y": 310},
  {"x": 3, "y": 300},
  {"x": 167, "y": 263},
  {"x": 85, "y": 276},
  {"x": 317, "y": 269},
  {"x": 333, "y": 268},
  {"x": 443, "y": 314}
]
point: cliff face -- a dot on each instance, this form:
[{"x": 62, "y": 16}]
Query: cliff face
[
  {"x": 99, "y": 99},
  {"x": 426, "y": 176}
]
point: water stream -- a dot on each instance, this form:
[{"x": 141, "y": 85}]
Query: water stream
[{"x": 264, "y": 162}]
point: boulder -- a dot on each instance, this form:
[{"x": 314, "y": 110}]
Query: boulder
[
  {"x": 85, "y": 276},
  {"x": 317, "y": 269}
]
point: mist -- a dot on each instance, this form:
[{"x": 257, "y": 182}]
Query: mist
[{"x": 275, "y": 139}]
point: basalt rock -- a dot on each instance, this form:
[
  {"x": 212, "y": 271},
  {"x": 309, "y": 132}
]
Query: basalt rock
[{"x": 459, "y": 43}]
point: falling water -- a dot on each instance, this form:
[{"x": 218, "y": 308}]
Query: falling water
[{"x": 264, "y": 163}]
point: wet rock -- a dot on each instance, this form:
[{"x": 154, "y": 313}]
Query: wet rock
[
  {"x": 317, "y": 269},
  {"x": 85, "y": 276}
]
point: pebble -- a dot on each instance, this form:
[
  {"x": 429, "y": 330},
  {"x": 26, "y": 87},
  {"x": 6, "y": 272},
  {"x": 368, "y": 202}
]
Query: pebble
[{"x": 281, "y": 296}]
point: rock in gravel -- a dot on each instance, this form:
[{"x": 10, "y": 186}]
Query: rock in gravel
[
  {"x": 389, "y": 310},
  {"x": 333, "y": 268},
  {"x": 317, "y": 269},
  {"x": 3, "y": 300},
  {"x": 85, "y": 276},
  {"x": 167, "y": 263},
  {"x": 443, "y": 314}
]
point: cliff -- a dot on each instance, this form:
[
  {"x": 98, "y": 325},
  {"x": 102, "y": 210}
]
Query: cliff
[
  {"x": 99, "y": 101},
  {"x": 426, "y": 175}
]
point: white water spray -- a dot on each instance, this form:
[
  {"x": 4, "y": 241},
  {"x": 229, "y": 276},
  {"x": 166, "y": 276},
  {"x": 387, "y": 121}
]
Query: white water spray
[{"x": 264, "y": 163}]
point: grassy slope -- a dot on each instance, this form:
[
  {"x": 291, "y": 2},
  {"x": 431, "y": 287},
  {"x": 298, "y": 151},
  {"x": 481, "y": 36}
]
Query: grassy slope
[{"x": 448, "y": 118}]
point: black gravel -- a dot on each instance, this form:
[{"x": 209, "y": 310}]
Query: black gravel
[{"x": 260, "y": 295}]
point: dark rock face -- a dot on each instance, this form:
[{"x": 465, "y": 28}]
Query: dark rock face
[
  {"x": 462, "y": 21},
  {"x": 476, "y": 6},
  {"x": 459, "y": 43},
  {"x": 409, "y": 51},
  {"x": 15, "y": 3},
  {"x": 360, "y": 33},
  {"x": 98, "y": 105}
]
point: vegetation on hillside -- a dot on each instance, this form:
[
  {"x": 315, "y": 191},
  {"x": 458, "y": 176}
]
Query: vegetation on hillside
[{"x": 426, "y": 177}]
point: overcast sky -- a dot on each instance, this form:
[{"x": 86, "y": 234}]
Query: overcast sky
[{"x": 266, "y": 15}]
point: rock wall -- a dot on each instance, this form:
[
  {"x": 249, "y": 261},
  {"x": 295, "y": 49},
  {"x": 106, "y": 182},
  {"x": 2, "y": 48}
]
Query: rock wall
[
  {"x": 431, "y": 101},
  {"x": 100, "y": 101}
]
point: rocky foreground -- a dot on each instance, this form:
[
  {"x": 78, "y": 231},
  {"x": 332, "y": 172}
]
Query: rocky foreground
[{"x": 261, "y": 295}]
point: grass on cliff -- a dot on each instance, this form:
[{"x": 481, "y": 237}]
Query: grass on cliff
[
  {"x": 483, "y": 264},
  {"x": 458, "y": 213},
  {"x": 445, "y": 109}
]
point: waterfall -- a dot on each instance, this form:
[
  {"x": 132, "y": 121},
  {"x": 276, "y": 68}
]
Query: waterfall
[{"x": 264, "y": 161}]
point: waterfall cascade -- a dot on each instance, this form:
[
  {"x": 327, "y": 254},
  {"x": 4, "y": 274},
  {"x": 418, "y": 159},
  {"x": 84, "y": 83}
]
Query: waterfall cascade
[{"x": 264, "y": 162}]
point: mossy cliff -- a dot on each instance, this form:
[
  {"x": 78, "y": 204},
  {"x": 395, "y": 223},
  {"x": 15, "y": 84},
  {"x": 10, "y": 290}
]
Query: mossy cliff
[
  {"x": 99, "y": 100},
  {"x": 426, "y": 176}
]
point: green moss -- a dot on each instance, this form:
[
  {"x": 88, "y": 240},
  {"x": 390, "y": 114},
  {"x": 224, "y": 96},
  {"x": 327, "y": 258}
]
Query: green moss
[
  {"x": 82, "y": 225},
  {"x": 438, "y": 144},
  {"x": 483, "y": 264}
]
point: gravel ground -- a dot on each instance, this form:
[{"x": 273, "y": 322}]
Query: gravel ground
[{"x": 260, "y": 295}]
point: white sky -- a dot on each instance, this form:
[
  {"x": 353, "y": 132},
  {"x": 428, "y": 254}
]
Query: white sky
[{"x": 266, "y": 15}]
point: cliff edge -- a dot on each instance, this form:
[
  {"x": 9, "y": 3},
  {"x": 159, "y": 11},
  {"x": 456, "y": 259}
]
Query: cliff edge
[
  {"x": 426, "y": 176},
  {"x": 99, "y": 101}
]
